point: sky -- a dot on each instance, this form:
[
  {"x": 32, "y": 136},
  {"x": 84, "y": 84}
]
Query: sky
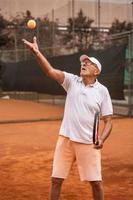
[
  {"x": 40, "y": 8},
  {"x": 43, "y": 6}
]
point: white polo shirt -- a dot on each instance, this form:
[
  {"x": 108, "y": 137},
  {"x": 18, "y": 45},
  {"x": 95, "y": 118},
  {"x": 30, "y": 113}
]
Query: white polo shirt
[{"x": 82, "y": 102}]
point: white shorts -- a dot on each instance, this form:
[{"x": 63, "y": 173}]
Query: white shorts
[{"x": 87, "y": 158}]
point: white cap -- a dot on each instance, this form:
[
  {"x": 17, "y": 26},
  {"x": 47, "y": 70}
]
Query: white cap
[{"x": 93, "y": 60}]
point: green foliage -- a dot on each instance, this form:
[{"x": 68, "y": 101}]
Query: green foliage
[
  {"x": 46, "y": 32},
  {"x": 3, "y": 23},
  {"x": 119, "y": 27},
  {"x": 78, "y": 31},
  {"x": 79, "y": 34},
  {"x": 81, "y": 22},
  {"x": 21, "y": 19},
  {"x": 3, "y": 33}
]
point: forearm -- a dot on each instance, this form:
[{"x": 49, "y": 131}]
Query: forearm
[
  {"x": 43, "y": 62},
  {"x": 106, "y": 130},
  {"x": 105, "y": 133},
  {"x": 55, "y": 74}
]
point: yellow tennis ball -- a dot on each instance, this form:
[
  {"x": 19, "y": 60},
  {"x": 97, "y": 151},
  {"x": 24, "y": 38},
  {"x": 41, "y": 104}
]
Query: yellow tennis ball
[{"x": 31, "y": 24}]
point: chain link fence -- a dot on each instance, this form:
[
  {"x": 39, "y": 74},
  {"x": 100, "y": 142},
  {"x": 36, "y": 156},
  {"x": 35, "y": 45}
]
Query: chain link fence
[
  {"x": 52, "y": 28},
  {"x": 52, "y": 43},
  {"x": 125, "y": 107}
]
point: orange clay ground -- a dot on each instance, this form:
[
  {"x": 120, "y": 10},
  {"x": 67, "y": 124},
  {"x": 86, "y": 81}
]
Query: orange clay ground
[{"x": 26, "y": 152}]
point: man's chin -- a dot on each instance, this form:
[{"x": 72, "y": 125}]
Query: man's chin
[{"x": 82, "y": 74}]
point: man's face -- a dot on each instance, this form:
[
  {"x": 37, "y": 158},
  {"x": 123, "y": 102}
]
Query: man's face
[{"x": 88, "y": 68}]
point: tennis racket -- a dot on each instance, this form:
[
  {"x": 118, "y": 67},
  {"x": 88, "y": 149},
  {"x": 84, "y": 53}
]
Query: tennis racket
[{"x": 95, "y": 128}]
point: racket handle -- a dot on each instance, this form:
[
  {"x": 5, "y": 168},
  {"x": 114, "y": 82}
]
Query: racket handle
[{"x": 97, "y": 143}]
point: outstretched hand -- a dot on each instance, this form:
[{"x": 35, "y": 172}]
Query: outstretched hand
[{"x": 33, "y": 46}]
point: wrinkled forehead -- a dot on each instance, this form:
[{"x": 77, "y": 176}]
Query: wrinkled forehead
[{"x": 86, "y": 60}]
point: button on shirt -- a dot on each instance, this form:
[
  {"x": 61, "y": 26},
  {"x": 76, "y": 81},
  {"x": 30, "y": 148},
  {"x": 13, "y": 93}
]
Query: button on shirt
[{"x": 82, "y": 102}]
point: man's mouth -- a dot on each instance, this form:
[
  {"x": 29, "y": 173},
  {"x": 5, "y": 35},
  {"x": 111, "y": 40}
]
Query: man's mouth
[{"x": 83, "y": 68}]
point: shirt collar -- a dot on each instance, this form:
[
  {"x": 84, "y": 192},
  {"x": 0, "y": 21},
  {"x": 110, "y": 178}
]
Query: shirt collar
[{"x": 90, "y": 85}]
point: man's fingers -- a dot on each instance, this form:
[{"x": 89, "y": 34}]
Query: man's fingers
[
  {"x": 23, "y": 40},
  {"x": 34, "y": 40},
  {"x": 33, "y": 46},
  {"x": 27, "y": 43},
  {"x": 99, "y": 146}
]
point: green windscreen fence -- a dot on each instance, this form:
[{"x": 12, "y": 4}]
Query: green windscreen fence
[{"x": 27, "y": 75}]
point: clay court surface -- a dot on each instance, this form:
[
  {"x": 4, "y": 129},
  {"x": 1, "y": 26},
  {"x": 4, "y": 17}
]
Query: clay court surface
[{"x": 26, "y": 152}]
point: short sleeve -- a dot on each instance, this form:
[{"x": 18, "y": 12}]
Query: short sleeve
[
  {"x": 67, "y": 81},
  {"x": 106, "y": 106}
]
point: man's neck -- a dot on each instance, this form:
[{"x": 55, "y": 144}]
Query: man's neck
[{"x": 89, "y": 80}]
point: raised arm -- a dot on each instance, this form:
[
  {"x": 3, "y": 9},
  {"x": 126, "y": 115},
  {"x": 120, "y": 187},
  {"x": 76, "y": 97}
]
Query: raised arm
[{"x": 55, "y": 74}]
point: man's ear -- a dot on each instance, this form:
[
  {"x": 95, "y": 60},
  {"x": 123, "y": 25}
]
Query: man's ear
[{"x": 97, "y": 72}]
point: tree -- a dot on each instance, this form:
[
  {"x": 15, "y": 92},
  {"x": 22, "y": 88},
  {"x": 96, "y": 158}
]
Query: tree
[
  {"x": 79, "y": 30},
  {"x": 119, "y": 27},
  {"x": 3, "y": 32},
  {"x": 19, "y": 27},
  {"x": 47, "y": 31}
]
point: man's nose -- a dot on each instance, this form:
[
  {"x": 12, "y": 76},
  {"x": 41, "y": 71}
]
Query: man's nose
[{"x": 83, "y": 64}]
